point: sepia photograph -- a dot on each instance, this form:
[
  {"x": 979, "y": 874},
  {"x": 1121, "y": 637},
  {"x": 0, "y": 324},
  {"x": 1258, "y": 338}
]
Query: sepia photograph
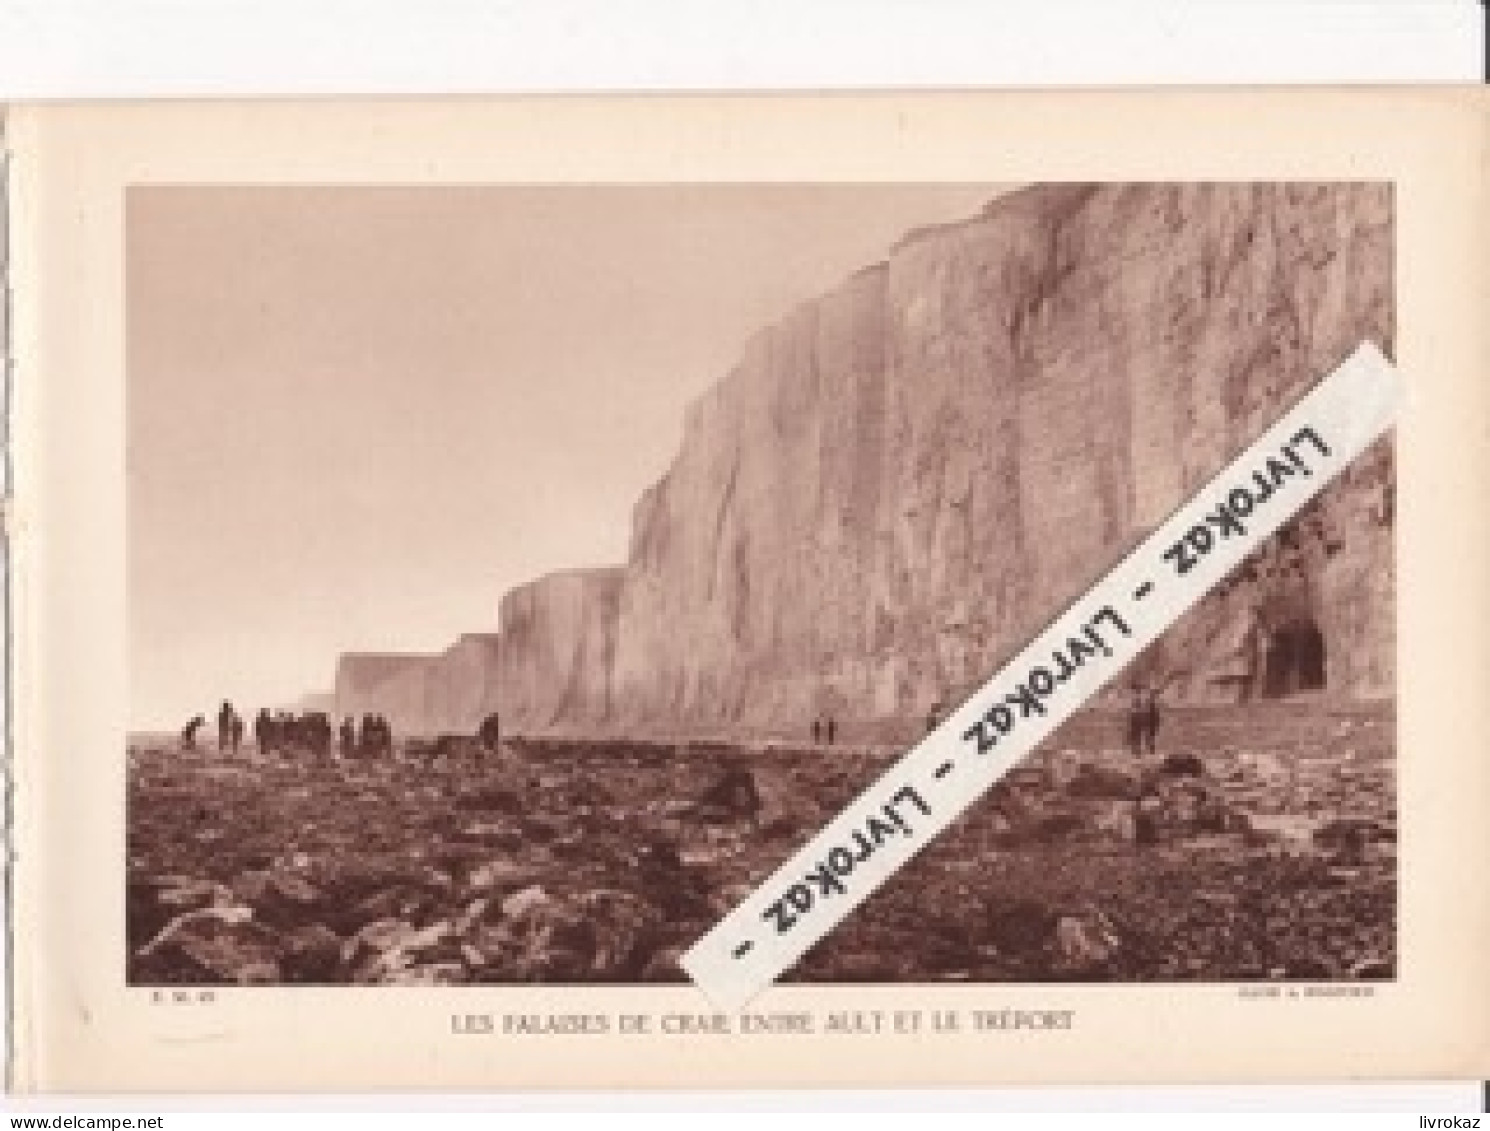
[{"x": 517, "y": 574}]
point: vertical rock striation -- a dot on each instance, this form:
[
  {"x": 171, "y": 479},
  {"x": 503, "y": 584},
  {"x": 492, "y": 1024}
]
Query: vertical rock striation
[
  {"x": 447, "y": 692},
  {"x": 902, "y": 480},
  {"x": 558, "y": 646}
]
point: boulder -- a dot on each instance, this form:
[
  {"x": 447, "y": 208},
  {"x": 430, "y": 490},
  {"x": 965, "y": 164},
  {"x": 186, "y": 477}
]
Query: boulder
[
  {"x": 152, "y": 902},
  {"x": 1086, "y": 940},
  {"x": 1020, "y": 927},
  {"x": 382, "y": 951},
  {"x": 280, "y": 898},
  {"x": 1182, "y": 765},
  {"x": 1103, "y": 782},
  {"x": 521, "y": 904},
  {"x": 312, "y": 954},
  {"x": 626, "y": 934},
  {"x": 214, "y": 945},
  {"x": 732, "y": 796}
]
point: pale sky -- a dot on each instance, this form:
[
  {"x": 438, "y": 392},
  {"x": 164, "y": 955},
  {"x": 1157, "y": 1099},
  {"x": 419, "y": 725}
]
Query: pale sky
[{"x": 357, "y": 416}]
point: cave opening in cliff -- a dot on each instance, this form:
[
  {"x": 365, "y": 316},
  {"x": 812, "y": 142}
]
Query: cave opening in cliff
[{"x": 1295, "y": 659}]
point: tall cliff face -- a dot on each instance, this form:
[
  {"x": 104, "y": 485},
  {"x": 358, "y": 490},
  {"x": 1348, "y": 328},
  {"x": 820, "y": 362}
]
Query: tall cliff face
[
  {"x": 903, "y": 480},
  {"x": 558, "y": 647}
]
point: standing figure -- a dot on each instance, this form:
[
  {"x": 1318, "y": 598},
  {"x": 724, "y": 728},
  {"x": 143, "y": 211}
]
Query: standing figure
[
  {"x": 225, "y": 725},
  {"x": 318, "y": 733},
  {"x": 263, "y": 731},
  {"x": 490, "y": 734},
  {"x": 348, "y": 736},
  {"x": 189, "y": 732},
  {"x": 817, "y": 731},
  {"x": 1137, "y": 723},
  {"x": 1151, "y": 720},
  {"x": 235, "y": 731},
  {"x": 832, "y": 729}
]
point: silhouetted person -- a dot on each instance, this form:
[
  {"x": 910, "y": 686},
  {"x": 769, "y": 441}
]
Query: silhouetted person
[
  {"x": 832, "y": 729},
  {"x": 1136, "y": 722},
  {"x": 317, "y": 733},
  {"x": 235, "y": 731},
  {"x": 189, "y": 731},
  {"x": 817, "y": 731},
  {"x": 1151, "y": 719},
  {"x": 367, "y": 734},
  {"x": 224, "y": 725},
  {"x": 348, "y": 736},
  {"x": 377, "y": 735},
  {"x": 263, "y": 731},
  {"x": 490, "y": 733}
]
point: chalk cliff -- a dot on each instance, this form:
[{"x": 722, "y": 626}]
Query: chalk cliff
[
  {"x": 446, "y": 692},
  {"x": 903, "y": 479},
  {"x": 360, "y": 677},
  {"x": 558, "y": 648}
]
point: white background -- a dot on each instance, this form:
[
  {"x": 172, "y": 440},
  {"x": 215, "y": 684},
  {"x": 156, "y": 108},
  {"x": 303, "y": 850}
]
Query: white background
[
  {"x": 62, "y": 49},
  {"x": 113, "y": 48}
]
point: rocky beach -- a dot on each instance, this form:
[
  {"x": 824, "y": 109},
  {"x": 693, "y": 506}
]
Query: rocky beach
[{"x": 1253, "y": 845}]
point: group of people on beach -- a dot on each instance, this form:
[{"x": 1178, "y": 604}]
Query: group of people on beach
[
  {"x": 229, "y": 729},
  {"x": 374, "y": 735},
  {"x": 287, "y": 730},
  {"x": 312, "y": 730}
]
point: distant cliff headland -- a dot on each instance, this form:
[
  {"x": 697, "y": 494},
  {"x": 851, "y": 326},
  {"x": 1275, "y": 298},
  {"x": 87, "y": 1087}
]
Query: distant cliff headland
[{"x": 903, "y": 479}]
